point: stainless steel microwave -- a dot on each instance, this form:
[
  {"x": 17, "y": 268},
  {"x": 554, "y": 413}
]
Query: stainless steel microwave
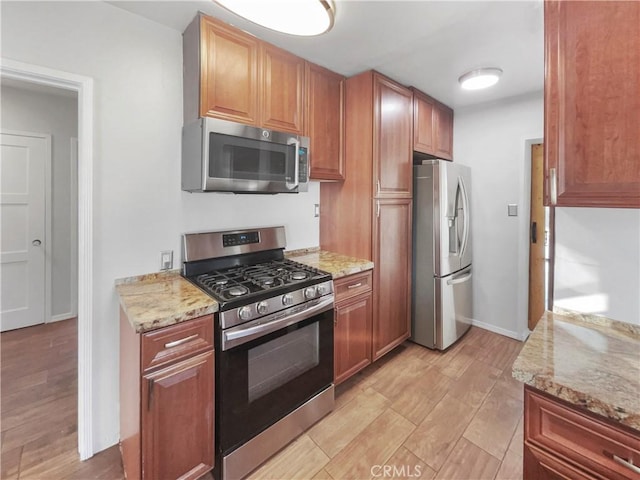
[{"x": 223, "y": 156}]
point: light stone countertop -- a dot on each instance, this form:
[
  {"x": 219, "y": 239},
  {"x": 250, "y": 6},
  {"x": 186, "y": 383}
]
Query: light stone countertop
[
  {"x": 589, "y": 361},
  {"x": 336, "y": 264},
  {"x": 161, "y": 299}
]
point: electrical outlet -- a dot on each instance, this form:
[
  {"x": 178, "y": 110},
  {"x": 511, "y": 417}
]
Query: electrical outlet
[
  {"x": 316, "y": 209},
  {"x": 512, "y": 210},
  {"x": 166, "y": 260}
]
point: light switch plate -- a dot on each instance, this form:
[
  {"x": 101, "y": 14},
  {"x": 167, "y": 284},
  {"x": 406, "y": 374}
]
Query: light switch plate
[
  {"x": 512, "y": 210},
  {"x": 316, "y": 209}
]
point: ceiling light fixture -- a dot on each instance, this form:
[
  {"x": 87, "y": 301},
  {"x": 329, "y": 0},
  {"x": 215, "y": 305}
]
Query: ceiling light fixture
[
  {"x": 295, "y": 17},
  {"x": 480, "y": 78}
]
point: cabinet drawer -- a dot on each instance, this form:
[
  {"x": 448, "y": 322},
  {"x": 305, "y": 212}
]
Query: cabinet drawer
[
  {"x": 352, "y": 285},
  {"x": 590, "y": 443},
  {"x": 176, "y": 342}
]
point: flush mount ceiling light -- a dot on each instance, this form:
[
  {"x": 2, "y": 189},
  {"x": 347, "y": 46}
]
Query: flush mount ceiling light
[
  {"x": 480, "y": 78},
  {"x": 295, "y": 17}
]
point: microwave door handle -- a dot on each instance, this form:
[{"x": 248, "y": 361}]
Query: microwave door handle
[{"x": 296, "y": 142}]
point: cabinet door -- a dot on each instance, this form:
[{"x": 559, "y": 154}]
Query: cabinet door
[
  {"x": 443, "y": 122},
  {"x": 592, "y": 102},
  {"x": 352, "y": 336},
  {"x": 282, "y": 90},
  {"x": 228, "y": 73},
  {"x": 392, "y": 138},
  {"x": 423, "y": 126},
  {"x": 325, "y": 122},
  {"x": 177, "y": 420},
  {"x": 542, "y": 466},
  {"x": 392, "y": 275}
]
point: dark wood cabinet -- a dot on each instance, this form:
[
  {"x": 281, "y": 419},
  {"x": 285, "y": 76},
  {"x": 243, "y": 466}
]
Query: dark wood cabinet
[
  {"x": 232, "y": 75},
  {"x": 221, "y": 72},
  {"x": 167, "y": 400},
  {"x": 325, "y": 122},
  {"x": 592, "y": 103},
  {"x": 563, "y": 441},
  {"x": 432, "y": 126},
  {"x": 177, "y": 419},
  {"x": 369, "y": 214},
  {"x": 392, "y": 280},
  {"x": 392, "y": 150},
  {"x": 352, "y": 334},
  {"x": 282, "y": 87}
]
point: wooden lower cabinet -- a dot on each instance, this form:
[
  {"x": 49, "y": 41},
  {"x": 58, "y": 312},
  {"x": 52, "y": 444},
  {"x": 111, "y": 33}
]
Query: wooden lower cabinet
[
  {"x": 561, "y": 441},
  {"x": 392, "y": 281},
  {"x": 352, "y": 333},
  {"x": 167, "y": 400}
]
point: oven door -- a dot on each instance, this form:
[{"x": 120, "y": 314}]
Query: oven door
[{"x": 261, "y": 380}]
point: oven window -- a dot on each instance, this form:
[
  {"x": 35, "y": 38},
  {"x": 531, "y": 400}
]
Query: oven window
[
  {"x": 275, "y": 363},
  {"x": 247, "y": 159}
]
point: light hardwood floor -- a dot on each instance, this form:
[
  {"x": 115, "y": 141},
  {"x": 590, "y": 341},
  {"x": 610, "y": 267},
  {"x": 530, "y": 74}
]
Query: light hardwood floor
[{"x": 414, "y": 414}]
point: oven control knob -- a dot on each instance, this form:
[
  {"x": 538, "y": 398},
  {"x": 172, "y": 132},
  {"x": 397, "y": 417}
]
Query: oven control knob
[
  {"x": 245, "y": 313},
  {"x": 287, "y": 299},
  {"x": 310, "y": 292},
  {"x": 323, "y": 289},
  {"x": 262, "y": 308}
]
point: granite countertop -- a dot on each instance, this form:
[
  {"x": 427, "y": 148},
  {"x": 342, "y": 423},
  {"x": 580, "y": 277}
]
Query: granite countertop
[
  {"x": 161, "y": 299},
  {"x": 334, "y": 263},
  {"x": 586, "y": 360}
]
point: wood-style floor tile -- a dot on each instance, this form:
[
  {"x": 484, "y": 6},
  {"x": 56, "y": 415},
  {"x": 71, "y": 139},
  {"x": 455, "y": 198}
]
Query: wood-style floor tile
[
  {"x": 475, "y": 384},
  {"x": 300, "y": 460},
  {"x": 434, "y": 439},
  {"x": 10, "y": 463},
  {"x": 511, "y": 467},
  {"x": 455, "y": 366},
  {"x": 373, "y": 447},
  {"x": 495, "y": 423},
  {"x": 322, "y": 475},
  {"x": 467, "y": 461},
  {"x": 341, "y": 426},
  {"x": 404, "y": 465}
]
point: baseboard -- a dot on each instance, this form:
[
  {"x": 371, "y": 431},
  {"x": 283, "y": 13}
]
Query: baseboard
[
  {"x": 501, "y": 331},
  {"x": 62, "y": 316}
]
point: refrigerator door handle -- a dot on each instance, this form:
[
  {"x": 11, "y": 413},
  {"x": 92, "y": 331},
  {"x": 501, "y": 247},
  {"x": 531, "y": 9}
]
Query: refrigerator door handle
[
  {"x": 465, "y": 206},
  {"x": 462, "y": 279}
]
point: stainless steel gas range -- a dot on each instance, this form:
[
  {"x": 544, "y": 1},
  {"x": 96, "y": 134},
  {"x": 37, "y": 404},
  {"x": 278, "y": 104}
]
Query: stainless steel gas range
[{"x": 273, "y": 342}]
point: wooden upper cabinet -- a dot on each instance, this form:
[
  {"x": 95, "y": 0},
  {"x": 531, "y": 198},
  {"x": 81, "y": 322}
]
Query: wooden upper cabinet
[
  {"x": 423, "y": 126},
  {"x": 392, "y": 134},
  {"x": 592, "y": 103},
  {"x": 234, "y": 76},
  {"x": 325, "y": 122},
  {"x": 432, "y": 126},
  {"x": 443, "y": 131},
  {"x": 228, "y": 73},
  {"x": 282, "y": 98}
]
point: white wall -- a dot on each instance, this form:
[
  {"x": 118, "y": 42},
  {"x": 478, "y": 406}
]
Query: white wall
[
  {"x": 56, "y": 115},
  {"x": 597, "y": 267},
  {"x": 491, "y": 139},
  {"x": 139, "y": 209}
]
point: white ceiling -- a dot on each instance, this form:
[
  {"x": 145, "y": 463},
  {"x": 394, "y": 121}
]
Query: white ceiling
[{"x": 426, "y": 44}]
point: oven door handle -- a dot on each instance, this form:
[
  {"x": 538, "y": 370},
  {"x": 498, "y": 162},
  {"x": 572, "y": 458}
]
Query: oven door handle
[{"x": 277, "y": 321}]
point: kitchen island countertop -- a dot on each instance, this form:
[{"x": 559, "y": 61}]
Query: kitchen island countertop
[
  {"x": 589, "y": 361},
  {"x": 336, "y": 264},
  {"x": 161, "y": 299}
]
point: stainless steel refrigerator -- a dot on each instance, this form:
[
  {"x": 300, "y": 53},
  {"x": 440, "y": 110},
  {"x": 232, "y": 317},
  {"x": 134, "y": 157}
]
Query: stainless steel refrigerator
[{"x": 442, "y": 266}]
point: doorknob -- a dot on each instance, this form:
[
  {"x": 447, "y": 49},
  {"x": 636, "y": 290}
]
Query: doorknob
[
  {"x": 36, "y": 243},
  {"x": 534, "y": 232}
]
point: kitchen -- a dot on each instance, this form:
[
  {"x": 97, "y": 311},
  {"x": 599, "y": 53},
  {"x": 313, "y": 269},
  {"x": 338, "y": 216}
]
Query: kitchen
[{"x": 139, "y": 135}]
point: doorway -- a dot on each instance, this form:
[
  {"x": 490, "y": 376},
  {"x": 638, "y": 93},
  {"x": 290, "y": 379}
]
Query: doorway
[
  {"x": 83, "y": 86},
  {"x": 541, "y": 240}
]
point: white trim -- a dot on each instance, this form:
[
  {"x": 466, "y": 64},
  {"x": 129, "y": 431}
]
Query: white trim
[
  {"x": 73, "y": 227},
  {"x": 62, "y": 316},
  {"x": 84, "y": 86},
  {"x": 501, "y": 331}
]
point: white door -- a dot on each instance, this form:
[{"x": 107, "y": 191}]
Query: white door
[{"x": 23, "y": 160}]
